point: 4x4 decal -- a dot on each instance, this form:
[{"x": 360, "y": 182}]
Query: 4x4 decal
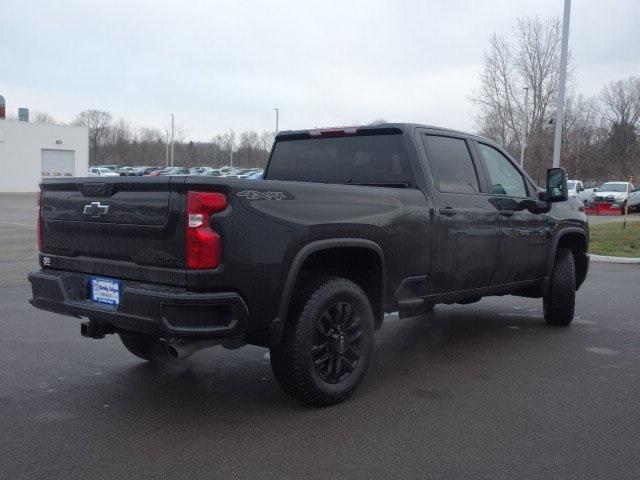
[{"x": 256, "y": 195}]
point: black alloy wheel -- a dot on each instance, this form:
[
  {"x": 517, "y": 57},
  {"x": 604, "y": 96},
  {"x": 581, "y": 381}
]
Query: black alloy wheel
[
  {"x": 326, "y": 343},
  {"x": 336, "y": 346}
]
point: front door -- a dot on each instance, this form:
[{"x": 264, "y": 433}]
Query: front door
[
  {"x": 466, "y": 222},
  {"x": 524, "y": 236}
]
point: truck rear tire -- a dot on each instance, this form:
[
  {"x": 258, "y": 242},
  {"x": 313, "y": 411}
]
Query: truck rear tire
[
  {"x": 559, "y": 302},
  {"x": 327, "y": 342},
  {"x": 146, "y": 348}
]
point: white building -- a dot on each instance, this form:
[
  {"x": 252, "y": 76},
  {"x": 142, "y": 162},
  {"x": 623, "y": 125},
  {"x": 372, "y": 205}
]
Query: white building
[{"x": 30, "y": 152}]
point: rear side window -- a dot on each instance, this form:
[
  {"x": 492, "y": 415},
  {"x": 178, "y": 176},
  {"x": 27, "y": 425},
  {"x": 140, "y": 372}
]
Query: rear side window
[
  {"x": 504, "y": 178},
  {"x": 451, "y": 164},
  {"x": 380, "y": 160}
]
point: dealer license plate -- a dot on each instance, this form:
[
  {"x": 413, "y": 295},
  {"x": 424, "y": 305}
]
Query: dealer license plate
[{"x": 106, "y": 290}]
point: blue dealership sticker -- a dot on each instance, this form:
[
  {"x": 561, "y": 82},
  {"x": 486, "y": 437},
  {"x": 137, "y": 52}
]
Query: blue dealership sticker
[{"x": 106, "y": 290}]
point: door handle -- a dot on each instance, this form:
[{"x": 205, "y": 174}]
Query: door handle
[
  {"x": 447, "y": 211},
  {"x": 507, "y": 213}
]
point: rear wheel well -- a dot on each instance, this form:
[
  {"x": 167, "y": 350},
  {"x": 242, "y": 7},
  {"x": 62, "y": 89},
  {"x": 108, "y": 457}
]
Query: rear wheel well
[
  {"x": 577, "y": 243},
  {"x": 362, "y": 266}
]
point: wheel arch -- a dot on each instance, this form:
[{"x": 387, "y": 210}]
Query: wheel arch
[
  {"x": 312, "y": 253},
  {"x": 576, "y": 240}
]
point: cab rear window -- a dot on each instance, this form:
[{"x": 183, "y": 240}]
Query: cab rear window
[{"x": 377, "y": 160}]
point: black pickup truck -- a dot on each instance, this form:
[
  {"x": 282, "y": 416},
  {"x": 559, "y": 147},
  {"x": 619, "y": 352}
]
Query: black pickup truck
[{"x": 348, "y": 223}]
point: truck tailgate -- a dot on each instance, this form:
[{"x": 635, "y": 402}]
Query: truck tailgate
[{"x": 126, "y": 227}]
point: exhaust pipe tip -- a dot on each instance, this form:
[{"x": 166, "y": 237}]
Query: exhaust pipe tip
[{"x": 183, "y": 348}]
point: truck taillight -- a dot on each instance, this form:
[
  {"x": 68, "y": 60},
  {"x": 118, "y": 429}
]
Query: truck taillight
[
  {"x": 204, "y": 249},
  {"x": 39, "y": 221}
]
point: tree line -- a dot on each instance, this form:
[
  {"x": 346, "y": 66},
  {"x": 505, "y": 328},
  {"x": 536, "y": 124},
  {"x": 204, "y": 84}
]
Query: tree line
[
  {"x": 600, "y": 134},
  {"x": 117, "y": 142}
]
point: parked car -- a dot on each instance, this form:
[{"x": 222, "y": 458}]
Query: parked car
[
  {"x": 176, "y": 171},
  {"x": 347, "y": 225},
  {"x": 205, "y": 171},
  {"x": 101, "y": 172},
  {"x": 110, "y": 167},
  {"x": 255, "y": 175},
  {"x": 232, "y": 171},
  {"x": 590, "y": 189},
  {"x": 616, "y": 193},
  {"x": 577, "y": 190},
  {"x": 140, "y": 171},
  {"x": 158, "y": 171}
]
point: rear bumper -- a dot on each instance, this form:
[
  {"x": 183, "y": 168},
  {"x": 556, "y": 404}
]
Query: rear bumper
[{"x": 144, "y": 308}]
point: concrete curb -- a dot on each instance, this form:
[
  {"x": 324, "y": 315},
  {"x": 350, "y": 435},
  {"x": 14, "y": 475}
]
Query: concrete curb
[{"x": 606, "y": 258}]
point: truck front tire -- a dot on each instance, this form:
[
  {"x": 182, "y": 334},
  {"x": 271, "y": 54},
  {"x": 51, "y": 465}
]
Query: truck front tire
[
  {"x": 327, "y": 342},
  {"x": 559, "y": 302}
]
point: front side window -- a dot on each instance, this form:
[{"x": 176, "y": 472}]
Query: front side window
[
  {"x": 504, "y": 178},
  {"x": 451, "y": 164}
]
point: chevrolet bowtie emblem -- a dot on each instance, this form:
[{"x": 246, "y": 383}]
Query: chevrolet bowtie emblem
[{"x": 95, "y": 209}]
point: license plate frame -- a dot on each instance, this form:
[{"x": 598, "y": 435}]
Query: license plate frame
[{"x": 106, "y": 291}]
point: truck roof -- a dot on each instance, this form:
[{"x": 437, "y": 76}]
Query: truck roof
[{"x": 404, "y": 127}]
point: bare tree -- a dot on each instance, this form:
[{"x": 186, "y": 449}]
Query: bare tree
[
  {"x": 229, "y": 142},
  {"x": 150, "y": 147},
  {"x": 98, "y": 122},
  {"x": 42, "y": 117},
  {"x": 180, "y": 132},
  {"x": 119, "y": 142},
  {"x": 581, "y": 137},
  {"x": 620, "y": 103},
  {"x": 250, "y": 151},
  {"x": 266, "y": 140},
  {"x": 528, "y": 59}
]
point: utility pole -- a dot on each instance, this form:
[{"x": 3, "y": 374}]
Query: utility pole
[
  {"x": 172, "y": 139},
  {"x": 557, "y": 142},
  {"x": 166, "y": 155},
  {"x": 231, "y": 155},
  {"x": 523, "y": 140},
  {"x": 277, "y": 114}
]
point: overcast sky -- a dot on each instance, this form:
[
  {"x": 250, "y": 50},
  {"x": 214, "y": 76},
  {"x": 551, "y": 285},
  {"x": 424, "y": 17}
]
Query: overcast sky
[{"x": 220, "y": 65}]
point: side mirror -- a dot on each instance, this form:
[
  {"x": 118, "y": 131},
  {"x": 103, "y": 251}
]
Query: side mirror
[
  {"x": 595, "y": 190},
  {"x": 557, "y": 185},
  {"x": 580, "y": 189}
]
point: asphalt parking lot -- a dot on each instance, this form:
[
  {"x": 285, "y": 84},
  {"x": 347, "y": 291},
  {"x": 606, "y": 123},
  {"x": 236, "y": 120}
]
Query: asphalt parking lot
[{"x": 478, "y": 391}]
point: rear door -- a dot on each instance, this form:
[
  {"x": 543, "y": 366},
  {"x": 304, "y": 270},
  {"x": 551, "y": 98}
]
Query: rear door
[
  {"x": 466, "y": 222},
  {"x": 524, "y": 236}
]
